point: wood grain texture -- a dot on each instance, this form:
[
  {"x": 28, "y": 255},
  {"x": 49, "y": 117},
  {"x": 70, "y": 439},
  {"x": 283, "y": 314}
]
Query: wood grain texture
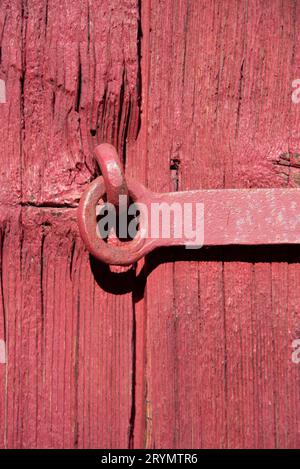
[
  {"x": 72, "y": 78},
  {"x": 217, "y": 113},
  {"x": 187, "y": 349},
  {"x": 80, "y": 88}
]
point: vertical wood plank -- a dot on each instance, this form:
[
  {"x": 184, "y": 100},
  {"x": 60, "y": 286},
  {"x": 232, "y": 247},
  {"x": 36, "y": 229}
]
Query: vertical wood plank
[
  {"x": 202, "y": 356},
  {"x": 80, "y": 89},
  {"x": 218, "y": 373},
  {"x": 68, "y": 380},
  {"x": 11, "y": 123},
  {"x": 72, "y": 79}
]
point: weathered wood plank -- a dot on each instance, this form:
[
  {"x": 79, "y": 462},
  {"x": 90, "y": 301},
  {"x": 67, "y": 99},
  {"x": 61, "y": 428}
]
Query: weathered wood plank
[
  {"x": 219, "y": 370},
  {"x": 68, "y": 380},
  {"x": 72, "y": 76},
  {"x": 80, "y": 87}
]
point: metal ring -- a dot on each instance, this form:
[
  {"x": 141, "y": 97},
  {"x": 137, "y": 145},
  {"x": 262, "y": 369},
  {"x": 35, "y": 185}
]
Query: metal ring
[
  {"x": 125, "y": 254},
  {"x": 112, "y": 172}
]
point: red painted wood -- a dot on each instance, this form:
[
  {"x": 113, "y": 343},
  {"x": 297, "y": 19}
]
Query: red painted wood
[
  {"x": 217, "y": 97},
  {"x": 192, "y": 353},
  {"x": 71, "y": 74}
]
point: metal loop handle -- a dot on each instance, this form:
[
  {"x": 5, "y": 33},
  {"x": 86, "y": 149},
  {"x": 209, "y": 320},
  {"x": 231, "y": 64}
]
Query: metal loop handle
[{"x": 126, "y": 253}]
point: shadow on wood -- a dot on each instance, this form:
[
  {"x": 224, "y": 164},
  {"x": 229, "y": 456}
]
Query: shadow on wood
[{"x": 120, "y": 283}]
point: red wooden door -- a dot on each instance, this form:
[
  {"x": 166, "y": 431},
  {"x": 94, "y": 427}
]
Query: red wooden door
[{"x": 190, "y": 349}]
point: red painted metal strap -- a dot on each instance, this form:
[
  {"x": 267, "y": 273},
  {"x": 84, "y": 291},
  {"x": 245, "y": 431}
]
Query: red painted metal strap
[{"x": 231, "y": 217}]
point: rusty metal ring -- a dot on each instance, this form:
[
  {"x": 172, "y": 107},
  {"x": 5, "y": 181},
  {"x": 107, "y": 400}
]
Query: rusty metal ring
[{"x": 125, "y": 254}]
